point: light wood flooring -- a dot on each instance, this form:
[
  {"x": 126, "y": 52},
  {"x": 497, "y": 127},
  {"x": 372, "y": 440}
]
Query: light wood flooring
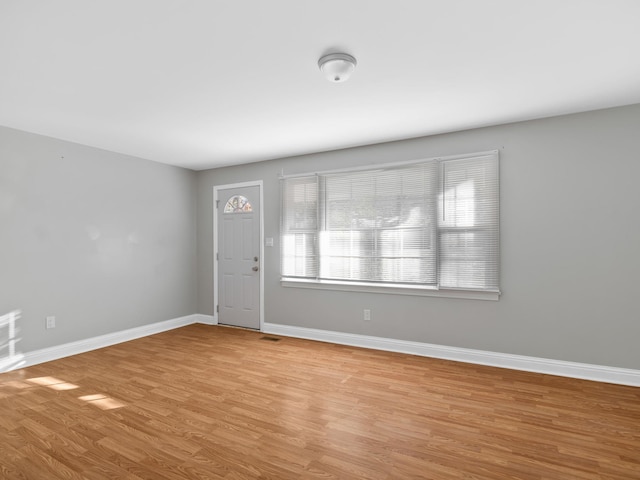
[{"x": 206, "y": 402}]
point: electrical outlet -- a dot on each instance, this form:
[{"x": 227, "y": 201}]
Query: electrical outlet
[
  {"x": 367, "y": 314},
  {"x": 51, "y": 322}
]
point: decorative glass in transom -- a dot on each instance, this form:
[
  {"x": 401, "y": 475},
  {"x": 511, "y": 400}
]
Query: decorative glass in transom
[{"x": 238, "y": 204}]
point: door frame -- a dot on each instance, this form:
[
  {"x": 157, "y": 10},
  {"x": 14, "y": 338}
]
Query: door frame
[{"x": 216, "y": 189}]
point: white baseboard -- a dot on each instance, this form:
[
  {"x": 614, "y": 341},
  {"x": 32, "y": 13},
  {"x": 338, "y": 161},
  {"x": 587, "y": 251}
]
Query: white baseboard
[
  {"x": 622, "y": 376},
  {"x": 73, "y": 348},
  {"x": 206, "y": 319}
]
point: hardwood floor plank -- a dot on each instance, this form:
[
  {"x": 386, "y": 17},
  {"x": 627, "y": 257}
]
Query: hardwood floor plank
[{"x": 209, "y": 402}]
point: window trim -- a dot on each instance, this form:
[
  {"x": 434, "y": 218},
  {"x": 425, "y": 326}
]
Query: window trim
[{"x": 390, "y": 288}]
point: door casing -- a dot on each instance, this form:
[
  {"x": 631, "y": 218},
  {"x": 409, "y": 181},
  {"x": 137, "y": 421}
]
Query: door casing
[{"x": 216, "y": 199}]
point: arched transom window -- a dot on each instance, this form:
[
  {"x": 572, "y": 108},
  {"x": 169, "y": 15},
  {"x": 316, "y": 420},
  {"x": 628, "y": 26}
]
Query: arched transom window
[{"x": 238, "y": 204}]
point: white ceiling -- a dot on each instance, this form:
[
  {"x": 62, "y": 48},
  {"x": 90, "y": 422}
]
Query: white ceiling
[{"x": 207, "y": 83}]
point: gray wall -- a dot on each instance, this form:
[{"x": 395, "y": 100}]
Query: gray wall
[
  {"x": 570, "y": 238},
  {"x": 103, "y": 241},
  {"x": 107, "y": 242}
]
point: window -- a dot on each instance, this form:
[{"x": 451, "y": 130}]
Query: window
[
  {"x": 238, "y": 204},
  {"x": 431, "y": 225}
]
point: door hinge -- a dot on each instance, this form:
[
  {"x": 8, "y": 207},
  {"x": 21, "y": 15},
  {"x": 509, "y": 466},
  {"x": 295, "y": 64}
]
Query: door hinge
[
  {"x": 217, "y": 256},
  {"x": 217, "y": 308},
  {"x": 217, "y": 203}
]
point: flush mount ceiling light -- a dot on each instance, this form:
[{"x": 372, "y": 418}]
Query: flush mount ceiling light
[{"x": 337, "y": 67}]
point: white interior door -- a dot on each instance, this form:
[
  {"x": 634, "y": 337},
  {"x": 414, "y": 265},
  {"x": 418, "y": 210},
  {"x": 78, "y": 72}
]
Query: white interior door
[{"x": 239, "y": 240}]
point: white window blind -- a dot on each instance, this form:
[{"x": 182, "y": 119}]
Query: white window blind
[
  {"x": 432, "y": 224},
  {"x": 299, "y": 227},
  {"x": 379, "y": 226},
  {"x": 468, "y": 230}
]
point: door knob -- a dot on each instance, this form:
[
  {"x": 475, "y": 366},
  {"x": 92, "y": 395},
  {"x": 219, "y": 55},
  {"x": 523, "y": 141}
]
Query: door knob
[{"x": 255, "y": 269}]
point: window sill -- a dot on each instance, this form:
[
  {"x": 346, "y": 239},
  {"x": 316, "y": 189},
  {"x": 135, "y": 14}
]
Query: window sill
[{"x": 390, "y": 289}]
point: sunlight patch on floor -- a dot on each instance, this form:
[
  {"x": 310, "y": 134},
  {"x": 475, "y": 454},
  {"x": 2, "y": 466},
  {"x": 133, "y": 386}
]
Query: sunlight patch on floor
[
  {"x": 102, "y": 401},
  {"x": 53, "y": 383},
  {"x": 99, "y": 400}
]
